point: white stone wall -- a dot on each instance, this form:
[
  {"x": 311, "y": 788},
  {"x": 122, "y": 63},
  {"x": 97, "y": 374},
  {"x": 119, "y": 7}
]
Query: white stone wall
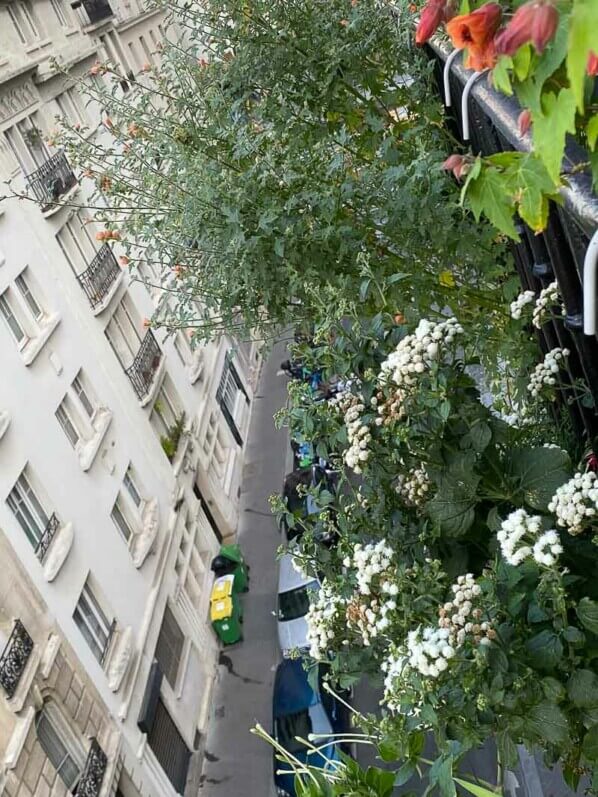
[{"x": 167, "y": 559}]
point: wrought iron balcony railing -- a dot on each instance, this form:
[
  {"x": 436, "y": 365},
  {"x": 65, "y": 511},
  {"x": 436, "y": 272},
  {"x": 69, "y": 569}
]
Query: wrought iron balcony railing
[
  {"x": 52, "y": 526},
  {"x": 100, "y": 276},
  {"x": 143, "y": 368},
  {"x": 14, "y": 658},
  {"x": 94, "y": 10},
  {"x": 51, "y": 180},
  {"x": 93, "y": 775}
]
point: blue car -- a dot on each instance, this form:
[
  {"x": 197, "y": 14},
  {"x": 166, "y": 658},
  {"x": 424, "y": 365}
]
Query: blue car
[{"x": 298, "y": 710}]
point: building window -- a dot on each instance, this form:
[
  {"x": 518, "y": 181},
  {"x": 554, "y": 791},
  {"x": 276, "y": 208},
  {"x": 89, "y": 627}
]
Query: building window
[
  {"x": 131, "y": 487},
  {"x": 167, "y": 410},
  {"x": 22, "y": 310},
  {"x": 72, "y": 107},
  {"x": 24, "y": 21},
  {"x": 28, "y": 297},
  {"x": 119, "y": 516},
  {"x": 127, "y": 510},
  {"x": 169, "y": 648},
  {"x": 92, "y": 620},
  {"x": 61, "y": 13},
  {"x": 59, "y": 745},
  {"x": 77, "y": 411},
  {"x": 12, "y": 321},
  {"x": 28, "y": 509},
  {"x": 183, "y": 348},
  {"x": 77, "y": 241},
  {"x": 124, "y": 332},
  {"x": 230, "y": 395},
  {"x": 26, "y": 142}
]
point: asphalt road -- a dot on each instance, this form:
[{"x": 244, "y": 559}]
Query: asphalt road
[{"x": 236, "y": 762}]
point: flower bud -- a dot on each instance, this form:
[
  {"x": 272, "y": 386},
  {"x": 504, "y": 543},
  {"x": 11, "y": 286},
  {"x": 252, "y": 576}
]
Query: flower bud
[
  {"x": 524, "y": 121},
  {"x": 457, "y": 164},
  {"x": 535, "y": 21},
  {"x": 430, "y": 18},
  {"x": 592, "y": 67}
]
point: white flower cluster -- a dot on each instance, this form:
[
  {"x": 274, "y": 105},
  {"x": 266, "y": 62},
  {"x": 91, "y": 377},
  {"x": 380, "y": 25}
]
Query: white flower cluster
[
  {"x": 413, "y": 487},
  {"x": 429, "y": 650},
  {"x": 358, "y": 432},
  {"x": 549, "y": 296},
  {"x": 393, "y": 667},
  {"x": 525, "y": 298},
  {"x": 461, "y": 616},
  {"x": 545, "y": 372},
  {"x": 370, "y": 619},
  {"x": 326, "y": 609},
  {"x": 416, "y": 352},
  {"x": 520, "y": 537},
  {"x": 371, "y": 561},
  {"x": 575, "y": 502}
]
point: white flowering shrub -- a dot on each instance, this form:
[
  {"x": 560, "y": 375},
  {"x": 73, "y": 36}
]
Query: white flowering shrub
[
  {"x": 548, "y": 298},
  {"x": 325, "y": 614},
  {"x": 417, "y": 352},
  {"x": 545, "y": 373},
  {"x": 371, "y": 562},
  {"x": 358, "y": 432},
  {"x": 520, "y": 537},
  {"x": 414, "y": 486},
  {"x": 524, "y": 298},
  {"x": 575, "y": 503}
]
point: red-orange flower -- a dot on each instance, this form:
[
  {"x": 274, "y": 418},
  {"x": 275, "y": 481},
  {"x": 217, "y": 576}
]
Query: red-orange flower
[
  {"x": 592, "y": 68},
  {"x": 475, "y": 29},
  {"x": 431, "y": 16},
  {"x": 536, "y": 21},
  {"x": 124, "y": 261}
]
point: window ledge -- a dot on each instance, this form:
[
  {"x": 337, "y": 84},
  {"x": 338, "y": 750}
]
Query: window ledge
[
  {"x": 17, "y": 740},
  {"x": 4, "y": 422},
  {"x": 157, "y": 381},
  {"x": 58, "y": 551},
  {"x": 195, "y": 370},
  {"x": 87, "y": 451},
  {"x": 144, "y": 540},
  {"x": 36, "y": 344},
  {"x": 99, "y": 308},
  {"x": 59, "y": 203},
  {"x": 120, "y": 658}
]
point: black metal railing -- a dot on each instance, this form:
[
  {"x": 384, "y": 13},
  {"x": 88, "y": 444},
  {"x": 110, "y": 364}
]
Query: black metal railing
[
  {"x": 143, "y": 368},
  {"x": 14, "y": 658},
  {"x": 95, "y": 10},
  {"x": 51, "y": 180},
  {"x": 92, "y": 778},
  {"x": 555, "y": 254},
  {"x": 52, "y": 526},
  {"x": 100, "y": 276}
]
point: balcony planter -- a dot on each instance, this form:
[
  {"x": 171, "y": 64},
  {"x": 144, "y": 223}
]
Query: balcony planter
[
  {"x": 143, "y": 541},
  {"x": 58, "y": 551}
]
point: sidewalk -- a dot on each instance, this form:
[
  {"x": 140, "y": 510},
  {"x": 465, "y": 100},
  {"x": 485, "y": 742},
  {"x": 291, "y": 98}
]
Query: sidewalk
[{"x": 235, "y": 762}]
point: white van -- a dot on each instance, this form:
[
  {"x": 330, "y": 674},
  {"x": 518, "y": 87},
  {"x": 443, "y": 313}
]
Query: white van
[{"x": 293, "y": 602}]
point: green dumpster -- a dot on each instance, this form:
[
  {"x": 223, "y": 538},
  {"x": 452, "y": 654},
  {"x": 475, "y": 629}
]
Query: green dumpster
[
  {"x": 230, "y": 561},
  {"x": 226, "y": 612}
]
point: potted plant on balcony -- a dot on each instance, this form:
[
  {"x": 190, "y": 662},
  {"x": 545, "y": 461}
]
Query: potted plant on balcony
[{"x": 170, "y": 441}]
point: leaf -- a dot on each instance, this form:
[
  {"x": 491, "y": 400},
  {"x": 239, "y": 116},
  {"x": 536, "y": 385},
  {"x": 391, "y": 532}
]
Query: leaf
[
  {"x": 592, "y": 131},
  {"x": 589, "y": 746},
  {"x": 364, "y": 289},
  {"x": 476, "y": 789},
  {"x": 531, "y": 186},
  {"x": 539, "y": 472},
  {"x": 582, "y": 689},
  {"x": 545, "y": 649},
  {"x": 587, "y": 611},
  {"x": 441, "y": 774},
  {"x": 405, "y": 773},
  {"x": 547, "y": 722},
  {"x": 279, "y": 247},
  {"x": 486, "y": 194},
  {"x": 478, "y": 436},
  {"x": 529, "y": 92},
  {"x": 553, "y": 689},
  {"x": 507, "y": 750},
  {"x": 583, "y": 37},
  {"x": 500, "y": 75},
  {"x": 550, "y": 128},
  {"x": 522, "y": 61},
  {"x": 446, "y": 279}
]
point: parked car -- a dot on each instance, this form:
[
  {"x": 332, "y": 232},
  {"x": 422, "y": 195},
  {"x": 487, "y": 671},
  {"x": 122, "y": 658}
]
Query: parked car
[
  {"x": 302, "y": 505},
  {"x": 298, "y": 710},
  {"x": 293, "y": 602}
]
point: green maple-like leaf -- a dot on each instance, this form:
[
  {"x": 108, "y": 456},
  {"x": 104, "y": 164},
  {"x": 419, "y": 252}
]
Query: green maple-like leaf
[
  {"x": 583, "y": 38},
  {"x": 551, "y": 127},
  {"x": 486, "y": 194},
  {"x": 531, "y": 187}
]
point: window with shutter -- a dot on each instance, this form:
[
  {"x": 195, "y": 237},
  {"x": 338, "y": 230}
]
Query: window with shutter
[{"x": 169, "y": 648}]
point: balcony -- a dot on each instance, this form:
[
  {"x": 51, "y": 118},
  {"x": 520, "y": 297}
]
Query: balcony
[
  {"x": 142, "y": 372},
  {"x": 53, "y": 179},
  {"x": 93, "y": 11},
  {"x": 14, "y": 658},
  {"x": 45, "y": 540},
  {"x": 99, "y": 278},
  {"x": 91, "y": 780}
]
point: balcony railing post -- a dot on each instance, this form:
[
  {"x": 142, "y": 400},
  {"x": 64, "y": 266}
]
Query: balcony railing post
[
  {"x": 51, "y": 180},
  {"x": 14, "y": 658},
  {"x": 99, "y": 277},
  {"x": 143, "y": 368},
  {"x": 41, "y": 549},
  {"x": 92, "y": 778}
]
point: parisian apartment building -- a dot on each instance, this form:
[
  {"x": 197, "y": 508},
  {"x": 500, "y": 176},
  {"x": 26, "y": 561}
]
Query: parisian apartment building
[{"x": 121, "y": 451}]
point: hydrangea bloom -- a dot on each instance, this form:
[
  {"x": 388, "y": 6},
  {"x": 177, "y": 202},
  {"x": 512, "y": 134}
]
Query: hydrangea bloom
[{"x": 575, "y": 502}]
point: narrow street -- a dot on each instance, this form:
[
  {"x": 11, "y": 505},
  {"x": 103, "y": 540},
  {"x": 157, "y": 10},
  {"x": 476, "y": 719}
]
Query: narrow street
[{"x": 236, "y": 762}]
